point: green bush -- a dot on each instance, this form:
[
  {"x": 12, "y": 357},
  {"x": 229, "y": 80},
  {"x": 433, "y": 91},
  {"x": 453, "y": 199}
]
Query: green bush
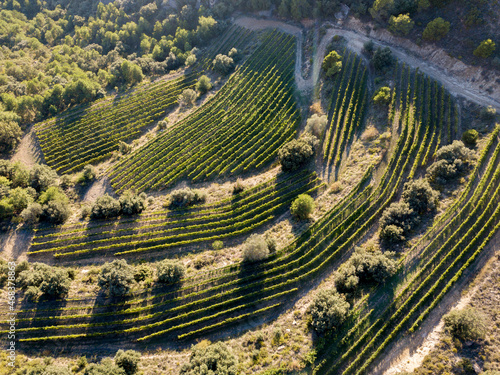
[
  {"x": 297, "y": 152},
  {"x": 143, "y": 272},
  {"x": 485, "y": 49},
  {"x": 88, "y": 175},
  {"x": 451, "y": 161},
  {"x": 128, "y": 361},
  {"x": 10, "y": 136},
  {"x": 19, "y": 198},
  {"x": 116, "y": 278},
  {"x": 436, "y": 30},
  {"x": 255, "y": 248},
  {"x": 163, "y": 124},
  {"x": 238, "y": 186},
  {"x": 420, "y": 196},
  {"x": 328, "y": 310},
  {"x": 105, "y": 207},
  {"x": 217, "y": 245},
  {"x": 31, "y": 214},
  {"x": 186, "y": 197},
  {"x": 401, "y": 25},
  {"x": 132, "y": 204},
  {"x": 213, "y": 359},
  {"x": 204, "y": 84},
  {"x": 382, "y": 59},
  {"x": 466, "y": 324},
  {"x": 42, "y": 177},
  {"x": 170, "y": 272},
  {"x": 56, "y": 283},
  {"x": 51, "y": 281},
  {"x": 302, "y": 207},
  {"x": 56, "y": 212},
  {"x": 187, "y": 98},
  {"x": 470, "y": 137},
  {"x": 223, "y": 64},
  {"x": 382, "y": 96},
  {"x": 105, "y": 367},
  {"x": 332, "y": 64},
  {"x": 316, "y": 125}
]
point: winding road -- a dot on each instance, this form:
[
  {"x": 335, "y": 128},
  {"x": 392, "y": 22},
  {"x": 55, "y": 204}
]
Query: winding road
[{"x": 355, "y": 41}]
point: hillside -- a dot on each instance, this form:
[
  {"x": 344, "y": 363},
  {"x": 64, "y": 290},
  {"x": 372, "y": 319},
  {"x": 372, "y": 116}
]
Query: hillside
[{"x": 276, "y": 187}]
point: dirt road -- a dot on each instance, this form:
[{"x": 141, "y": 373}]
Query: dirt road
[{"x": 355, "y": 39}]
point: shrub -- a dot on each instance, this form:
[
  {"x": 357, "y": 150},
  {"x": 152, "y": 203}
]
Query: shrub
[
  {"x": 124, "y": 148},
  {"x": 382, "y": 59},
  {"x": 466, "y": 324},
  {"x": 329, "y": 310},
  {"x": 271, "y": 244},
  {"x": 132, "y": 204},
  {"x": 401, "y": 25},
  {"x": 6, "y": 209},
  {"x": 41, "y": 177},
  {"x": 186, "y": 197},
  {"x": 128, "y": 361},
  {"x": 190, "y": 60},
  {"x": 297, "y": 152},
  {"x": 436, "y": 29},
  {"x": 238, "y": 186},
  {"x": 204, "y": 84},
  {"x": 392, "y": 234},
  {"x": 451, "y": 161},
  {"x": 4, "y": 186},
  {"x": 234, "y": 54},
  {"x": 382, "y": 96},
  {"x": 88, "y": 175},
  {"x": 213, "y": 359},
  {"x": 316, "y": 125},
  {"x": 56, "y": 212},
  {"x": 142, "y": 272},
  {"x": 470, "y": 137},
  {"x": 332, "y": 64},
  {"x": 105, "y": 207},
  {"x": 116, "y": 278},
  {"x": 187, "y": 98},
  {"x": 10, "y": 136},
  {"x": 485, "y": 49},
  {"x": 399, "y": 214},
  {"x": 163, "y": 124},
  {"x": 106, "y": 366},
  {"x": 170, "y": 272},
  {"x": 488, "y": 113},
  {"x": 223, "y": 64},
  {"x": 346, "y": 280},
  {"x": 369, "y": 47},
  {"x": 420, "y": 196},
  {"x": 32, "y": 293},
  {"x": 302, "y": 207},
  {"x": 31, "y": 214},
  {"x": 255, "y": 248},
  {"x": 20, "y": 175},
  {"x": 217, "y": 245},
  {"x": 56, "y": 283},
  {"x": 53, "y": 193}
]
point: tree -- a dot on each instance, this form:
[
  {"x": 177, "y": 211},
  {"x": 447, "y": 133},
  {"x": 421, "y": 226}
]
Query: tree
[
  {"x": 329, "y": 310},
  {"x": 420, "y": 196},
  {"x": 19, "y": 198},
  {"x": 470, "y": 137},
  {"x": 204, "y": 84},
  {"x": 382, "y": 59},
  {"x": 213, "y": 359},
  {"x": 88, "y": 174},
  {"x": 436, "y": 30},
  {"x": 223, "y": 64},
  {"x": 466, "y": 324},
  {"x": 116, "y": 277},
  {"x": 128, "y": 361},
  {"x": 42, "y": 176},
  {"x": 10, "y": 136},
  {"x": 186, "y": 197},
  {"x": 31, "y": 214},
  {"x": 401, "y": 25},
  {"x": 297, "y": 152},
  {"x": 170, "y": 272},
  {"x": 332, "y": 64},
  {"x": 399, "y": 214},
  {"x": 485, "y": 49},
  {"x": 187, "y": 98},
  {"x": 105, "y": 207},
  {"x": 316, "y": 125},
  {"x": 56, "y": 211},
  {"x": 255, "y": 248},
  {"x": 302, "y": 207},
  {"x": 381, "y": 8},
  {"x": 382, "y": 96},
  {"x": 451, "y": 161},
  {"x": 56, "y": 283},
  {"x": 132, "y": 204}
]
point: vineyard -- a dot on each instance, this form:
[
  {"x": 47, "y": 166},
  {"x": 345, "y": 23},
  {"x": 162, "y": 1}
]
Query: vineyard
[
  {"x": 236, "y": 133},
  {"x": 346, "y": 111},
  {"x": 249, "y": 119},
  {"x": 160, "y": 232},
  {"x": 82, "y": 136}
]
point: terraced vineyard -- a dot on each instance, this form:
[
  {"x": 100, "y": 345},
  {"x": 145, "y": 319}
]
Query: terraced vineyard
[
  {"x": 240, "y": 129},
  {"x": 348, "y": 105},
  {"x": 84, "y": 136},
  {"x": 161, "y": 233},
  {"x": 217, "y": 300}
]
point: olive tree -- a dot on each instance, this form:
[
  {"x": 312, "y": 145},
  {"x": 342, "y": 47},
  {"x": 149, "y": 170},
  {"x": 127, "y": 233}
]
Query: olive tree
[
  {"x": 302, "y": 207},
  {"x": 116, "y": 278},
  {"x": 255, "y": 248},
  {"x": 328, "y": 310},
  {"x": 170, "y": 272}
]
